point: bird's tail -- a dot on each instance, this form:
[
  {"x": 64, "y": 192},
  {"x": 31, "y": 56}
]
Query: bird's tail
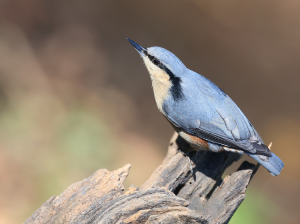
[{"x": 273, "y": 164}]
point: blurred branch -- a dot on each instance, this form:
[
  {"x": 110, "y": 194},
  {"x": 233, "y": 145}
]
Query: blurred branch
[{"x": 173, "y": 194}]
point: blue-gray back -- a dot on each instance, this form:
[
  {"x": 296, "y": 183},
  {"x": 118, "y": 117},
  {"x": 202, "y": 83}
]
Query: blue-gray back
[{"x": 206, "y": 109}]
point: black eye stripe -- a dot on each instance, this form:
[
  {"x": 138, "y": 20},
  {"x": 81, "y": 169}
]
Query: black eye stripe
[
  {"x": 156, "y": 62},
  {"x": 153, "y": 59},
  {"x": 176, "y": 89}
]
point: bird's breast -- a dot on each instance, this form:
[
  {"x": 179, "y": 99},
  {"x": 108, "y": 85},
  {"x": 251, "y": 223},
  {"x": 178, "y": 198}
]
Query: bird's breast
[{"x": 161, "y": 93}]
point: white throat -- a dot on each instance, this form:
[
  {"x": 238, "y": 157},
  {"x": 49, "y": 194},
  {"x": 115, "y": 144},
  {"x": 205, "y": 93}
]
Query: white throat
[{"x": 161, "y": 83}]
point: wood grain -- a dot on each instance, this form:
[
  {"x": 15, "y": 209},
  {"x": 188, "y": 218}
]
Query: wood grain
[{"x": 173, "y": 193}]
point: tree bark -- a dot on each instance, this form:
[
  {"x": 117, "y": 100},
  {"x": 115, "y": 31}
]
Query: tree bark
[{"x": 185, "y": 188}]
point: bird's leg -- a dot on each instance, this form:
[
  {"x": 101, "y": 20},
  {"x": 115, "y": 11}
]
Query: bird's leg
[
  {"x": 185, "y": 148},
  {"x": 189, "y": 159},
  {"x": 190, "y": 162}
]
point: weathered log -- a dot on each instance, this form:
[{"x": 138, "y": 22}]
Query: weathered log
[{"x": 173, "y": 194}]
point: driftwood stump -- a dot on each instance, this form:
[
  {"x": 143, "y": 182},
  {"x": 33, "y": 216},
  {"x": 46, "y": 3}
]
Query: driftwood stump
[{"x": 173, "y": 194}]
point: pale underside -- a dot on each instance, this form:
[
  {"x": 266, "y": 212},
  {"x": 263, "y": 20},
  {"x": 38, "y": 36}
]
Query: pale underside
[{"x": 160, "y": 83}]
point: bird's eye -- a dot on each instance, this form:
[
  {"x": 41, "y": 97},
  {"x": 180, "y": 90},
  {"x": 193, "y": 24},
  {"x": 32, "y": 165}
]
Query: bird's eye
[{"x": 156, "y": 62}]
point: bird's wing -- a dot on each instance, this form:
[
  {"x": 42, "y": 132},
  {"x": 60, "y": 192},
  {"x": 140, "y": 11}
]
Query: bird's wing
[{"x": 214, "y": 117}]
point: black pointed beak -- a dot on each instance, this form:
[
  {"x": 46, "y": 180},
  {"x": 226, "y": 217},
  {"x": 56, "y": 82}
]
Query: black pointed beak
[{"x": 137, "y": 47}]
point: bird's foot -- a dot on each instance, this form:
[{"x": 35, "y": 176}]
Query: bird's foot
[{"x": 189, "y": 159}]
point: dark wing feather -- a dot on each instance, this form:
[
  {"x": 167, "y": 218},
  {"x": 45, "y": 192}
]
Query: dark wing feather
[
  {"x": 220, "y": 140},
  {"x": 208, "y": 113}
]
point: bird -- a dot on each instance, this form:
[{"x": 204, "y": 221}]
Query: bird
[{"x": 200, "y": 112}]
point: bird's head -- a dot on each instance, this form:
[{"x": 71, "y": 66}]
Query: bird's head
[{"x": 165, "y": 68}]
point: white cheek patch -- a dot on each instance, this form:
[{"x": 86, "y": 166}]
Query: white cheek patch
[
  {"x": 153, "y": 69},
  {"x": 161, "y": 83}
]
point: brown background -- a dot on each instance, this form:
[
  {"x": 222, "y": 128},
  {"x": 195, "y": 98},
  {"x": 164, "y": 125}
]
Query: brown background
[{"x": 75, "y": 97}]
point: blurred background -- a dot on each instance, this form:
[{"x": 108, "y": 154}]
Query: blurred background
[{"x": 75, "y": 96}]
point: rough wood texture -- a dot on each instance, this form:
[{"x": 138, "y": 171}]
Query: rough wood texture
[{"x": 173, "y": 194}]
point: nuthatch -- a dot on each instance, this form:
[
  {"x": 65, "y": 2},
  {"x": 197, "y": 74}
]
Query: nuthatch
[{"x": 201, "y": 113}]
